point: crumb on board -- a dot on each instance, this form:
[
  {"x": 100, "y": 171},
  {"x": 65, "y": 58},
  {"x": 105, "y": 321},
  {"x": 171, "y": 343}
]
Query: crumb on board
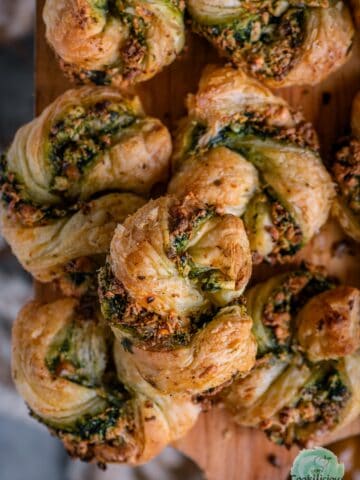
[{"x": 226, "y": 434}]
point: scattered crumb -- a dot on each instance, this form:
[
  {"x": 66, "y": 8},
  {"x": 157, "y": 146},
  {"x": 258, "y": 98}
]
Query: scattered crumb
[{"x": 226, "y": 434}]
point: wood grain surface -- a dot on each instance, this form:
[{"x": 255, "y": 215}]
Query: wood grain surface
[{"x": 223, "y": 450}]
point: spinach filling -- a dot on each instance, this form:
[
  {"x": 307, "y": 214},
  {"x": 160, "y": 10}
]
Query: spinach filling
[
  {"x": 80, "y": 354},
  {"x": 320, "y": 401},
  {"x": 242, "y": 137},
  {"x": 285, "y": 232},
  {"x": 143, "y": 326},
  {"x": 245, "y": 128},
  {"x": 183, "y": 230},
  {"x": 81, "y": 134},
  {"x": 15, "y": 199},
  {"x": 80, "y": 350},
  {"x": 74, "y": 143},
  {"x": 284, "y": 302},
  {"x": 346, "y": 171},
  {"x": 113, "y": 297},
  {"x": 184, "y": 225},
  {"x": 209, "y": 279},
  {"x": 92, "y": 428},
  {"x": 96, "y": 426},
  {"x": 133, "y": 54},
  {"x": 240, "y": 134},
  {"x": 268, "y": 41},
  {"x": 196, "y": 132}
]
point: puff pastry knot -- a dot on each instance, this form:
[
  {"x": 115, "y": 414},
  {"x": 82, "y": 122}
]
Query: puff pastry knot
[
  {"x": 305, "y": 383},
  {"x": 246, "y": 152},
  {"x": 116, "y": 42},
  {"x": 65, "y": 368},
  {"x": 171, "y": 292},
  {"x": 282, "y": 43},
  {"x": 72, "y": 174}
]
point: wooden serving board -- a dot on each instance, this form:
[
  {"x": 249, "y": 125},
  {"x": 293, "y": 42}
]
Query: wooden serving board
[{"x": 221, "y": 449}]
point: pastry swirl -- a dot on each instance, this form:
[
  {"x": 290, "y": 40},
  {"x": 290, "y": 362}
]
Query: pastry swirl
[
  {"x": 346, "y": 173},
  {"x": 58, "y": 176},
  {"x": 305, "y": 382},
  {"x": 171, "y": 289},
  {"x": 114, "y": 41},
  {"x": 281, "y": 43},
  {"x": 244, "y": 150},
  {"x": 64, "y": 368}
]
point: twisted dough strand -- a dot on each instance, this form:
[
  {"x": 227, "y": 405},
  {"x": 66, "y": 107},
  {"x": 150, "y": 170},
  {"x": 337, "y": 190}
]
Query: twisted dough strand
[
  {"x": 305, "y": 382},
  {"x": 171, "y": 293},
  {"x": 63, "y": 367},
  {"x": 244, "y": 151},
  {"x": 281, "y": 43},
  {"x": 114, "y": 41},
  {"x": 72, "y": 174}
]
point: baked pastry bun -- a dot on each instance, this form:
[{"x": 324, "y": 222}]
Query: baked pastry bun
[
  {"x": 56, "y": 177},
  {"x": 116, "y": 43},
  {"x": 346, "y": 173},
  {"x": 171, "y": 292},
  {"x": 246, "y": 152},
  {"x": 305, "y": 381},
  {"x": 280, "y": 43},
  {"x": 63, "y": 366}
]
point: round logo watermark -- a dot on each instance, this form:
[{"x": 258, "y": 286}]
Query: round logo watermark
[{"x": 317, "y": 464}]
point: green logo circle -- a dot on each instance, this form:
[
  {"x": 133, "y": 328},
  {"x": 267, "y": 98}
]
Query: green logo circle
[{"x": 317, "y": 464}]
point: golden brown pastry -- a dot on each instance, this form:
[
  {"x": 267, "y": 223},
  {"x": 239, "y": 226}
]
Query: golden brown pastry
[
  {"x": 64, "y": 368},
  {"x": 282, "y": 43},
  {"x": 346, "y": 173},
  {"x": 56, "y": 177},
  {"x": 243, "y": 150},
  {"x": 48, "y": 250},
  {"x": 171, "y": 292},
  {"x": 114, "y": 42},
  {"x": 328, "y": 326},
  {"x": 306, "y": 380}
]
